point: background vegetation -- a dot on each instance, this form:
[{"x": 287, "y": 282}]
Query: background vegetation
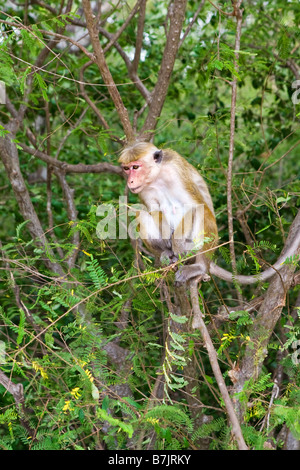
[{"x": 95, "y": 353}]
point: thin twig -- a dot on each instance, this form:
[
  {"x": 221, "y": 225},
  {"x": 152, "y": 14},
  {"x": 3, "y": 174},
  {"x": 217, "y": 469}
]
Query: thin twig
[
  {"x": 105, "y": 72},
  {"x": 239, "y": 18},
  {"x": 167, "y": 64},
  {"x": 116, "y": 36},
  {"x": 139, "y": 36},
  {"x": 92, "y": 104},
  {"x": 103, "y": 167},
  {"x": 72, "y": 214},
  {"x": 219, "y": 9},
  {"x": 191, "y": 23},
  {"x": 10, "y": 159}
]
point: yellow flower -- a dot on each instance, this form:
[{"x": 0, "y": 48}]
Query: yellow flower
[
  {"x": 67, "y": 406},
  {"x": 153, "y": 420},
  {"x": 86, "y": 253},
  {"x": 80, "y": 362},
  {"x": 40, "y": 369},
  {"x": 75, "y": 392},
  {"x": 88, "y": 373}
]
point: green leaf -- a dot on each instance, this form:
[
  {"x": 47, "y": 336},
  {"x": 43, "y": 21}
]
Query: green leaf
[
  {"x": 95, "y": 392},
  {"x": 103, "y": 415},
  {"x": 21, "y": 330},
  {"x": 218, "y": 64},
  {"x": 42, "y": 84},
  {"x": 179, "y": 318}
]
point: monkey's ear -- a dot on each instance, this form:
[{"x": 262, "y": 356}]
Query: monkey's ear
[{"x": 157, "y": 156}]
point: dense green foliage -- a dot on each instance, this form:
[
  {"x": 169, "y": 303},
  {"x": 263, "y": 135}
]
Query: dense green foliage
[{"x": 87, "y": 377}]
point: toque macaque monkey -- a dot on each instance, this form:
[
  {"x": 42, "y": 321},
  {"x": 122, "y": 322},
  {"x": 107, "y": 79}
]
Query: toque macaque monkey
[
  {"x": 179, "y": 218},
  {"x": 179, "y": 207}
]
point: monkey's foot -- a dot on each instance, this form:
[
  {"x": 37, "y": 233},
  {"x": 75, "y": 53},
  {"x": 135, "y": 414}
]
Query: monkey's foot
[
  {"x": 203, "y": 278},
  {"x": 186, "y": 273}
]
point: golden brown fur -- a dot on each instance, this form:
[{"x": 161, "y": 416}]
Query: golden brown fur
[
  {"x": 166, "y": 179},
  {"x": 134, "y": 152},
  {"x": 154, "y": 179}
]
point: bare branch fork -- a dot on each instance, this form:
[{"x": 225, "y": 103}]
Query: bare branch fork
[
  {"x": 157, "y": 97},
  {"x": 167, "y": 64},
  {"x": 9, "y": 157},
  {"x": 105, "y": 72}
]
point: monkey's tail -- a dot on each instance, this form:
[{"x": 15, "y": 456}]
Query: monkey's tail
[
  {"x": 241, "y": 279},
  {"x": 260, "y": 277}
]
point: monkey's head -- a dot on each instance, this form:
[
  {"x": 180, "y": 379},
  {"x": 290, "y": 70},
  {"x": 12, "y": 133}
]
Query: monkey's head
[{"x": 141, "y": 163}]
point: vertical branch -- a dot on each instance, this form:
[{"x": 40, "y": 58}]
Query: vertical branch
[
  {"x": 105, "y": 72},
  {"x": 191, "y": 23},
  {"x": 167, "y": 64},
  {"x": 238, "y": 14},
  {"x": 9, "y": 157},
  {"x": 265, "y": 321},
  {"x": 139, "y": 36},
  {"x": 198, "y": 322},
  {"x": 72, "y": 213},
  {"x": 115, "y": 37},
  {"x": 49, "y": 174}
]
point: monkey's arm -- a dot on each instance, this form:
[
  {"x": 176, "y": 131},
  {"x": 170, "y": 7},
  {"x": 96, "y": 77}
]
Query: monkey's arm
[{"x": 154, "y": 230}]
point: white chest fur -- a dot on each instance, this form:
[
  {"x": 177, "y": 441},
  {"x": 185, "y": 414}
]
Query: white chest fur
[{"x": 172, "y": 200}]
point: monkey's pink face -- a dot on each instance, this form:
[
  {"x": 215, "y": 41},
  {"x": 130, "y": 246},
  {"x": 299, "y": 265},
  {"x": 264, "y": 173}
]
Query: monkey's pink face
[{"x": 137, "y": 175}]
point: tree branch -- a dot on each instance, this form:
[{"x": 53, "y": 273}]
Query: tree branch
[
  {"x": 92, "y": 104},
  {"x": 70, "y": 168},
  {"x": 112, "y": 43},
  {"x": 9, "y": 157},
  {"x": 269, "y": 313},
  {"x": 191, "y": 23},
  {"x": 72, "y": 213},
  {"x": 167, "y": 64},
  {"x": 139, "y": 36},
  {"x": 16, "y": 390},
  {"x": 38, "y": 63},
  {"x": 116, "y": 36},
  {"x": 239, "y": 18},
  {"x": 198, "y": 322}
]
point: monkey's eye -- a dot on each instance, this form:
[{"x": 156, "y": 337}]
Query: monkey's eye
[
  {"x": 135, "y": 167},
  {"x": 126, "y": 168}
]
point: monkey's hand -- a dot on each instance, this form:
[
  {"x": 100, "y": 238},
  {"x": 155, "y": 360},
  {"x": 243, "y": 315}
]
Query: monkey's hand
[{"x": 168, "y": 257}]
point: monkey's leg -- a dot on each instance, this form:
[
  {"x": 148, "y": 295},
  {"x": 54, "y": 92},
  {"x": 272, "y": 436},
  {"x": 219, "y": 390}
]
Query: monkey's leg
[
  {"x": 156, "y": 234},
  {"x": 188, "y": 238}
]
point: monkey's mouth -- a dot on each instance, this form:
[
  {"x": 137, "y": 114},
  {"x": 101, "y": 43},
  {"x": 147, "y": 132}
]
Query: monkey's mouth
[{"x": 134, "y": 190}]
